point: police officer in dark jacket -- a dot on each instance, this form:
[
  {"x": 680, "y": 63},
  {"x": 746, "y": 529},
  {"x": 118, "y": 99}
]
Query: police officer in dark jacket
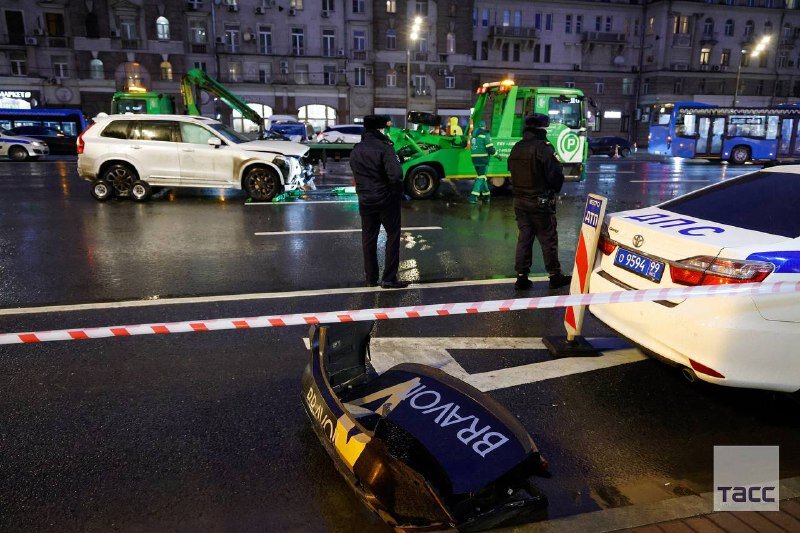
[
  {"x": 536, "y": 177},
  {"x": 379, "y": 185}
]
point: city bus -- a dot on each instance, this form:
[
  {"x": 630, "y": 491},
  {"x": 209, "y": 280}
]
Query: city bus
[
  {"x": 70, "y": 122},
  {"x": 735, "y": 134}
]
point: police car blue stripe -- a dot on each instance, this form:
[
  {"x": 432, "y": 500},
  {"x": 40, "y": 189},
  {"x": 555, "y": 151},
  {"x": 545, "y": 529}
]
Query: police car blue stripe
[{"x": 787, "y": 262}]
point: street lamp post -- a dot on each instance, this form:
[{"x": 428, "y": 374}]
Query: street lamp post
[
  {"x": 762, "y": 44},
  {"x": 413, "y": 36}
]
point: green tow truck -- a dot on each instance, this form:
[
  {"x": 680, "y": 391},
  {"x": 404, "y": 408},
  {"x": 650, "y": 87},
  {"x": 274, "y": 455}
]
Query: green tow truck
[
  {"x": 428, "y": 158},
  {"x": 139, "y": 100}
]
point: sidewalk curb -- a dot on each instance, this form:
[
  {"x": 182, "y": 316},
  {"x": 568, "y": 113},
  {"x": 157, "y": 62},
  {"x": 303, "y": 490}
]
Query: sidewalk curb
[{"x": 643, "y": 514}]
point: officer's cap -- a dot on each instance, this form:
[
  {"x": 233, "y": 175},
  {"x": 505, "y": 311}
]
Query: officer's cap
[
  {"x": 376, "y": 122},
  {"x": 537, "y": 120}
]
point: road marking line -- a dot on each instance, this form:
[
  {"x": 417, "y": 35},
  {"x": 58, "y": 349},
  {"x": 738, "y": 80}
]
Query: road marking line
[
  {"x": 153, "y": 302},
  {"x": 610, "y": 171},
  {"x": 301, "y": 202},
  {"x": 386, "y": 352},
  {"x": 344, "y": 230},
  {"x": 670, "y": 181}
]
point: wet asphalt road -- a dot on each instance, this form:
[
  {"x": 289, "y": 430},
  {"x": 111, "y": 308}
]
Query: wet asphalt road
[{"x": 206, "y": 431}]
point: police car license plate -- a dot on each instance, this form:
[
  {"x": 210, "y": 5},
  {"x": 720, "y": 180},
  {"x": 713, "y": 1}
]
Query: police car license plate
[{"x": 642, "y": 266}]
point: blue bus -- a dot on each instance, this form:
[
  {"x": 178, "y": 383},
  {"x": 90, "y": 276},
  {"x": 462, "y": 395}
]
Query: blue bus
[
  {"x": 734, "y": 134},
  {"x": 70, "y": 122}
]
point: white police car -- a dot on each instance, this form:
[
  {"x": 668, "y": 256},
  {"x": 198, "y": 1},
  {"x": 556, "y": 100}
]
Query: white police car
[
  {"x": 746, "y": 229},
  {"x": 19, "y": 148}
]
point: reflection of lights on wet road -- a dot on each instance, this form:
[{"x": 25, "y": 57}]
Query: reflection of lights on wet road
[
  {"x": 409, "y": 270},
  {"x": 63, "y": 173}
]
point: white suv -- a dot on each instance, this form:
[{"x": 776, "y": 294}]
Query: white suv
[
  {"x": 125, "y": 155},
  {"x": 342, "y": 133}
]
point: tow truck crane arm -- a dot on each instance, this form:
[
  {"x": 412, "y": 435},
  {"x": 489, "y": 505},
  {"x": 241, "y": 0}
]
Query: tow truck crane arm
[{"x": 197, "y": 78}]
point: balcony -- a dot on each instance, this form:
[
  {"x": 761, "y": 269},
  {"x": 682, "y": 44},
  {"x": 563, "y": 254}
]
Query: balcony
[
  {"x": 682, "y": 40},
  {"x": 500, "y": 35},
  {"x": 129, "y": 44},
  {"x": 15, "y": 39},
  {"x": 787, "y": 43},
  {"x": 359, "y": 55},
  {"x": 604, "y": 37},
  {"x": 198, "y": 48},
  {"x": 420, "y": 56},
  {"x": 711, "y": 38}
]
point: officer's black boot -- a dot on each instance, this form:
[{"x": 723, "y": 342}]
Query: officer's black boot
[
  {"x": 522, "y": 283},
  {"x": 559, "y": 280}
]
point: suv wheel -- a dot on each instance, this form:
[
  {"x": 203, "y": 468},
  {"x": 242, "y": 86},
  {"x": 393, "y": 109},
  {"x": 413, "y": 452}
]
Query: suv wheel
[
  {"x": 121, "y": 177},
  {"x": 102, "y": 190},
  {"x": 261, "y": 184},
  {"x": 140, "y": 191}
]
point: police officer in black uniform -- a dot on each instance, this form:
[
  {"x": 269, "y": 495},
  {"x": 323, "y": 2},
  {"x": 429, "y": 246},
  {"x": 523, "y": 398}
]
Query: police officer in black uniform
[
  {"x": 536, "y": 177},
  {"x": 379, "y": 185}
]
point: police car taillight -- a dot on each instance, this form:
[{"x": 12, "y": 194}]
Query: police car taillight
[
  {"x": 708, "y": 270},
  {"x": 79, "y": 144},
  {"x": 605, "y": 244}
]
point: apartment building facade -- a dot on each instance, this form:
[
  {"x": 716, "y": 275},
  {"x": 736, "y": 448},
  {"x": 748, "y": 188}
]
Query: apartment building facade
[{"x": 329, "y": 61}]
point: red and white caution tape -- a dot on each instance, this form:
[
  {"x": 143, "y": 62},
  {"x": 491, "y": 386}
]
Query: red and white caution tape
[{"x": 335, "y": 317}]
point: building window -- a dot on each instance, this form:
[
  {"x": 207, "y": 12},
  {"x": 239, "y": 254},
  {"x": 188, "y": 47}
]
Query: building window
[
  {"x": 422, "y": 44},
  {"x": 301, "y": 74},
  {"x": 359, "y": 40},
  {"x": 318, "y": 115},
  {"x": 516, "y": 52},
  {"x": 329, "y": 75},
  {"x": 474, "y": 17},
  {"x": 651, "y": 25},
  {"x": 745, "y": 59},
  {"x": 598, "y": 24},
  {"x": 680, "y": 24},
  {"x": 548, "y": 21},
  {"x": 517, "y": 19},
  {"x": 265, "y": 72},
  {"x": 708, "y": 27},
  {"x": 92, "y": 26},
  {"x": 234, "y": 71},
  {"x": 242, "y": 124},
  {"x": 760, "y": 88},
  {"x": 646, "y": 87},
  {"x": 298, "y": 42},
  {"x": 749, "y": 26},
  {"x": 197, "y": 32},
  {"x": 127, "y": 29},
  {"x": 96, "y": 69},
  {"x": 609, "y": 23},
  {"x": 232, "y": 36},
  {"x": 537, "y": 21},
  {"x": 725, "y": 57},
  {"x": 763, "y": 58},
  {"x": 359, "y": 6},
  {"x": 391, "y": 39},
  {"x": 391, "y": 78},
  {"x": 705, "y": 56},
  {"x": 537, "y": 53},
  {"x": 568, "y": 24},
  {"x": 449, "y": 82},
  {"x": 547, "y": 49},
  {"x": 19, "y": 64},
  {"x": 162, "y": 28},
  {"x": 484, "y": 50},
  {"x": 636, "y": 27},
  {"x": 328, "y": 43},
  {"x": 485, "y": 18},
  {"x": 166, "y": 71},
  {"x": 328, "y": 5},
  {"x": 677, "y": 87},
  {"x": 506, "y": 18},
  {"x": 504, "y": 51},
  {"x": 599, "y": 86},
  {"x": 578, "y": 23},
  {"x": 360, "y": 76},
  {"x": 264, "y": 40},
  {"x": 782, "y": 59},
  {"x": 201, "y": 65},
  {"x": 60, "y": 67},
  {"x": 627, "y": 86},
  {"x": 421, "y": 7},
  {"x": 729, "y": 27},
  {"x": 569, "y": 84},
  {"x": 421, "y": 84},
  {"x": 296, "y": 4},
  {"x": 451, "y": 43},
  {"x": 391, "y": 6}
]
